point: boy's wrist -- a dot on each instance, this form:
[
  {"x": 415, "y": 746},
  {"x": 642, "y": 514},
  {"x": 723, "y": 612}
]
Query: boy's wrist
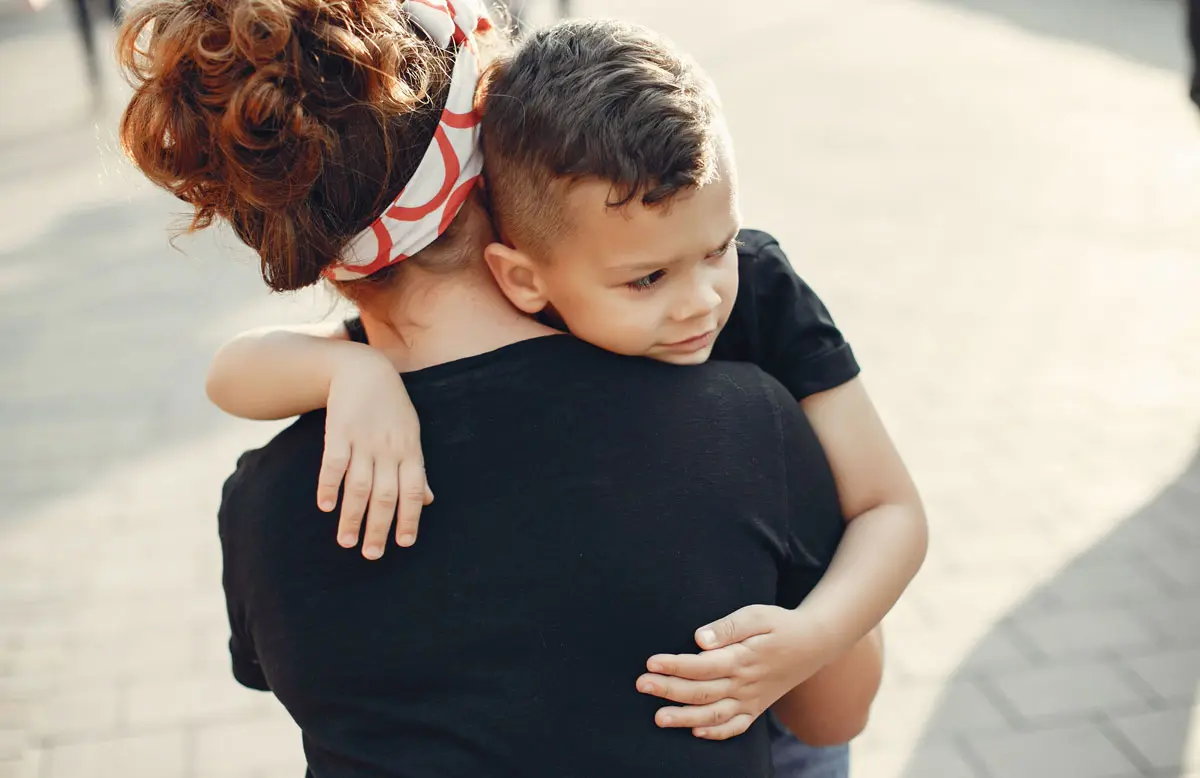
[
  {"x": 355, "y": 359},
  {"x": 826, "y": 633}
]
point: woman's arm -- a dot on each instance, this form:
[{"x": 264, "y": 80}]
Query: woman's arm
[{"x": 834, "y": 705}]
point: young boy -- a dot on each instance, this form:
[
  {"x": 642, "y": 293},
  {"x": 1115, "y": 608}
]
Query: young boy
[{"x": 613, "y": 188}]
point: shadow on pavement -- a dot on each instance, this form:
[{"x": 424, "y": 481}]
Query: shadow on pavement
[
  {"x": 1113, "y": 649},
  {"x": 1150, "y": 32}
]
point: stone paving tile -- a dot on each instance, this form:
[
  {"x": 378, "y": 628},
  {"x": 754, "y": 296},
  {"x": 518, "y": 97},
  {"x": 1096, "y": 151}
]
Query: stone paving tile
[
  {"x": 157, "y": 755},
  {"x": 1072, "y": 689},
  {"x": 1171, "y": 674},
  {"x": 903, "y": 708},
  {"x": 1078, "y": 752},
  {"x": 94, "y": 710},
  {"x": 1104, "y": 582},
  {"x": 927, "y": 761},
  {"x": 13, "y": 743},
  {"x": 241, "y": 750},
  {"x": 1084, "y": 632},
  {"x": 1174, "y": 620},
  {"x": 28, "y": 765},
  {"x": 1166, "y": 739},
  {"x": 191, "y": 700},
  {"x": 941, "y": 649}
]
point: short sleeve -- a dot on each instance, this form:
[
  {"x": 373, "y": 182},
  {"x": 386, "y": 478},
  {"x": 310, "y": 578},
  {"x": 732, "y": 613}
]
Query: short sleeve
[
  {"x": 246, "y": 668},
  {"x": 813, "y": 517},
  {"x": 355, "y": 330},
  {"x": 780, "y": 324}
]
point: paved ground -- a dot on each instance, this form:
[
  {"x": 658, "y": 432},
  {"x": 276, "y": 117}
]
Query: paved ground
[{"x": 996, "y": 197}]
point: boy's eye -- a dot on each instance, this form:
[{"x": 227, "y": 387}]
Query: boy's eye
[
  {"x": 645, "y": 282},
  {"x": 725, "y": 249}
]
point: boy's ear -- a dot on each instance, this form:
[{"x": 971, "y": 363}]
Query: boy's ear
[{"x": 518, "y": 276}]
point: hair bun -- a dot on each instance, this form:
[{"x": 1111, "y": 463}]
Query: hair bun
[
  {"x": 261, "y": 30},
  {"x": 294, "y": 120},
  {"x": 268, "y": 138}
]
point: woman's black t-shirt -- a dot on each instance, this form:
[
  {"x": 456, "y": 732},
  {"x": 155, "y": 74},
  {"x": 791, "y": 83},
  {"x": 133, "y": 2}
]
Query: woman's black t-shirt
[
  {"x": 777, "y": 323},
  {"x": 592, "y": 510}
]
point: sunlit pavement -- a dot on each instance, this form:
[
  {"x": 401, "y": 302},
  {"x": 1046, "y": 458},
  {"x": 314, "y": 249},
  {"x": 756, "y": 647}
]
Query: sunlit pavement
[{"x": 997, "y": 198}]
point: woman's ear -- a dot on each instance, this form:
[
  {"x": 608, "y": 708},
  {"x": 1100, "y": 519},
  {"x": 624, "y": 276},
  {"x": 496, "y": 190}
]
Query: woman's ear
[{"x": 518, "y": 276}]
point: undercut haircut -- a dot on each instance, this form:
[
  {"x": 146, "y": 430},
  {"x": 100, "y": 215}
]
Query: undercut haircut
[{"x": 593, "y": 100}]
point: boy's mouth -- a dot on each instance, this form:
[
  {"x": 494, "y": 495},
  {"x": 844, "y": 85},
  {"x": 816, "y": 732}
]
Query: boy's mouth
[{"x": 695, "y": 343}]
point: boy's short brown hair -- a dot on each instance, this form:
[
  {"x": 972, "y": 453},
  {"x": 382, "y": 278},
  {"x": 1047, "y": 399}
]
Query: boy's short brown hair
[{"x": 593, "y": 100}]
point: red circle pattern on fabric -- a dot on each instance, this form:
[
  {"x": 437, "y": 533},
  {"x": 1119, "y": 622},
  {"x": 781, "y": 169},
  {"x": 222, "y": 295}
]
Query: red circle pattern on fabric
[{"x": 453, "y": 160}]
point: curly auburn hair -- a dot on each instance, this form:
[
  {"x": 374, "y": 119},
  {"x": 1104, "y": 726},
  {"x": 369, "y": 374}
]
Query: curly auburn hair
[{"x": 296, "y": 121}]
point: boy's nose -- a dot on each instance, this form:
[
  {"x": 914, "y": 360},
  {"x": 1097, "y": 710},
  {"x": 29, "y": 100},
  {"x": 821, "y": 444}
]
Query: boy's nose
[{"x": 701, "y": 302}]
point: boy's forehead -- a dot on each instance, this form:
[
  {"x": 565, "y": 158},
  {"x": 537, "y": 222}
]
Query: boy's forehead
[{"x": 623, "y": 235}]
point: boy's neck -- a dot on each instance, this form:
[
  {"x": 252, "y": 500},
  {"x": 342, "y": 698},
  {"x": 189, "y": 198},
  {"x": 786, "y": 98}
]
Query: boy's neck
[{"x": 441, "y": 318}]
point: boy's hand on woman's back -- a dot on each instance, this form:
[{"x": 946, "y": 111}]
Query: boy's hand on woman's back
[{"x": 751, "y": 658}]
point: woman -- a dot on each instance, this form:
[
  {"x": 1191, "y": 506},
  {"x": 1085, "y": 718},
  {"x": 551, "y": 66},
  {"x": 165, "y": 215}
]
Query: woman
[{"x": 261, "y": 140}]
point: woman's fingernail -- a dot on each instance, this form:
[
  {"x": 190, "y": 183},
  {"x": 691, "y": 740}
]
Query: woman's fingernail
[
  {"x": 407, "y": 540},
  {"x": 702, "y": 733},
  {"x": 326, "y": 505},
  {"x": 347, "y": 541},
  {"x": 646, "y": 687},
  {"x": 668, "y": 720},
  {"x": 654, "y": 667},
  {"x": 372, "y": 552},
  {"x": 707, "y": 637}
]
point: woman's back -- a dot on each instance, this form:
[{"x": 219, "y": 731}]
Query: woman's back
[{"x": 592, "y": 511}]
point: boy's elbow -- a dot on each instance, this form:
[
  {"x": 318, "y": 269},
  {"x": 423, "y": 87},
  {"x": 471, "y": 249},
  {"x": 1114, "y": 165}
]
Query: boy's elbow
[
  {"x": 223, "y": 393},
  {"x": 834, "y": 706},
  {"x": 836, "y": 731},
  {"x": 219, "y": 393},
  {"x": 825, "y": 731},
  {"x": 215, "y": 390}
]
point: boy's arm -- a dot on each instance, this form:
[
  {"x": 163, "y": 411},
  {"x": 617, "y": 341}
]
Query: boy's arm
[
  {"x": 834, "y": 705},
  {"x": 759, "y": 653},
  {"x": 886, "y": 534},
  {"x": 275, "y": 372},
  {"x": 372, "y": 434},
  {"x": 787, "y": 331}
]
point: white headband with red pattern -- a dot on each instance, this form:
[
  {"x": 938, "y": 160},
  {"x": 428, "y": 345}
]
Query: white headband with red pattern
[{"x": 452, "y": 164}]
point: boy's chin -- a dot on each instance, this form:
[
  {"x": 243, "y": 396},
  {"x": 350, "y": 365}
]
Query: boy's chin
[{"x": 690, "y": 358}]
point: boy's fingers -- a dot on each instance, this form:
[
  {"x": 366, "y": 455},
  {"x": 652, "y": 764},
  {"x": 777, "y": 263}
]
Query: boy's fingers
[
  {"x": 708, "y": 666},
  {"x": 738, "y": 626},
  {"x": 333, "y": 468},
  {"x": 413, "y": 491},
  {"x": 354, "y": 500},
  {"x": 732, "y": 728},
  {"x": 382, "y": 510},
  {"x": 706, "y": 716},
  {"x": 685, "y": 692}
]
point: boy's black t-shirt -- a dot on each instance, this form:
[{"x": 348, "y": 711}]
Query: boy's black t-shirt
[
  {"x": 592, "y": 510},
  {"x": 777, "y": 323}
]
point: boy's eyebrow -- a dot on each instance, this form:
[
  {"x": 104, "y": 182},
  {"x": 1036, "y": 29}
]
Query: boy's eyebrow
[{"x": 660, "y": 264}]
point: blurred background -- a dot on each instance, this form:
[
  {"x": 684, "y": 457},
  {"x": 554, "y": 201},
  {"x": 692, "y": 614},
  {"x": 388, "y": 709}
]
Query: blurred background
[{"x": 996, "y": 198}]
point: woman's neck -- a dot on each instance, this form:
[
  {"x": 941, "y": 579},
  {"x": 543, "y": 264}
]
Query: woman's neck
[{"x": 439, "y": 317}]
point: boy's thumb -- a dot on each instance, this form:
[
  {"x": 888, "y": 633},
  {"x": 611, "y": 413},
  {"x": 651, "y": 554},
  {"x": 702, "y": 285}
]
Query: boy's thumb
[{"x": 741, "y": 624}]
